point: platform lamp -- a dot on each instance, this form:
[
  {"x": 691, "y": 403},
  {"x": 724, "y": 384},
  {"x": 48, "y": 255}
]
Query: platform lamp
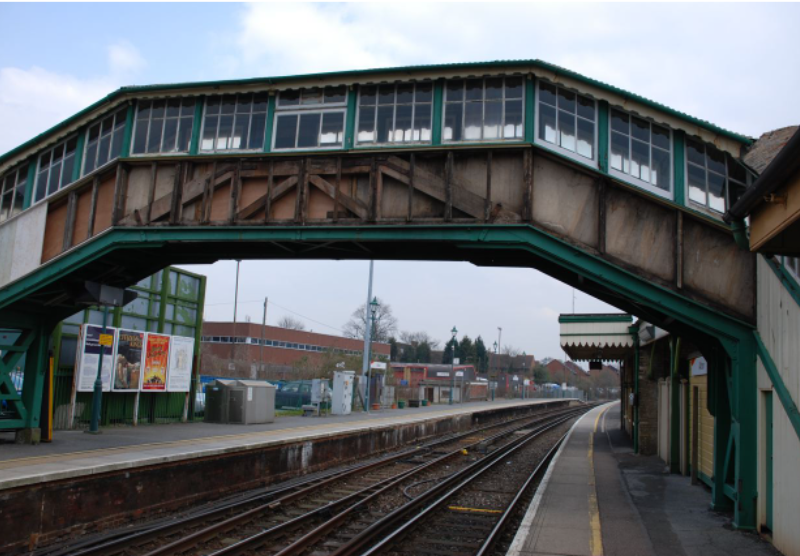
[
  {"x": 524, "y": 388},
  {"x": 373, "y": 310},
  {"x": 454, "y": 332},
  {"x": 95, "y": 294}
]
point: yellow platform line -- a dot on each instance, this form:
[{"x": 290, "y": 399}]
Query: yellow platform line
[
  {"x": 596, "y": 537},
  {"x": 474, "y": 510}
]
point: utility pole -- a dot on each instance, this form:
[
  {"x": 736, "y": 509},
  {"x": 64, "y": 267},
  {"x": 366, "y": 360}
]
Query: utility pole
[
  {"x": 235, "y": 307},
  {"x": 263, "y": 329},
  {"x": 367, "y": 337}
]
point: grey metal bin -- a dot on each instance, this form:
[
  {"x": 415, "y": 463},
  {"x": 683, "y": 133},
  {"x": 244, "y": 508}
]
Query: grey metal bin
[{"x": 246, "y": 402}]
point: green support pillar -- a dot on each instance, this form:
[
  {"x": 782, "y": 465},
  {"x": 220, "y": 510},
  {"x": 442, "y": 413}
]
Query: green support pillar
[
  {"x": 744, "y": 411},
  {"x": 719, "y": 405},
  {"x": 634, "y": 331},
  {"x": 36, "y": 363}
]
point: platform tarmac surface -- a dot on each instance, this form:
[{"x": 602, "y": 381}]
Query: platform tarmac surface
[
  {"x": 600, "y": 499},
  {"x": 74, "y": 453}
]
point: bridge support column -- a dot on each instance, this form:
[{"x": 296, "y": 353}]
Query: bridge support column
[
  {"x": 32, "y": 339},
  {"x": 734, "y": 388}
]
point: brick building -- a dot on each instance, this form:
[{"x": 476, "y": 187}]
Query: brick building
[{"x": 249, "y": 350}]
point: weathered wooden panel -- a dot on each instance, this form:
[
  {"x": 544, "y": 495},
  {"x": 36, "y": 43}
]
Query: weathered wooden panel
[
  {"x": 105, "y": 204},
  {"x": 54, "y": 231},
  {"x": 21, "y": 241},
  {"x": 82, "y": 214},
  {"x": 715, "y": 267},
  {"x": 138, "y": 190},
  {"x": 564, "y": 201},
  {"x": 640, "y": 233},
  {"x": 220, "y": 203}
]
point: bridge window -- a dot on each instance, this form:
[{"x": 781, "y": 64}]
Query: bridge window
[
  {"x": 398, "y": 113},
  {"x": 55, "y": 169},
  {"x": 310, "y": 118},
  {"x": 12, "y": 192},
  {"x": 567, "y": 120},
  {"x": 483, "y": 109},
  {"x": 234, "y": 122},
  {"x": 104, "y": 141},
  {"x": 714, "y": 178},
  {"x": 642, "y": 150},
  {"x": 163, "y": 126}
]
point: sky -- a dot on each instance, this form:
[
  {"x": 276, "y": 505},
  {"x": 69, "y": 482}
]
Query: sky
[{"x": 732, "y": 64}]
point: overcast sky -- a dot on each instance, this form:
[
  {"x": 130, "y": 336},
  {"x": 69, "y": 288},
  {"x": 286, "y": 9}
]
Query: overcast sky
[{"x": 733, "y": 65}]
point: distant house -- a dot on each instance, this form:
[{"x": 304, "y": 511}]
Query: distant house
[
  {"x": 560, "y": 371},
  {"x": 503, "y": 362}
]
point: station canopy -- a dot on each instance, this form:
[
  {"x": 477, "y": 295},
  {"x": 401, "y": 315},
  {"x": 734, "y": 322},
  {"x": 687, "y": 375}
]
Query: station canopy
[{"x": 596, "y": 337}]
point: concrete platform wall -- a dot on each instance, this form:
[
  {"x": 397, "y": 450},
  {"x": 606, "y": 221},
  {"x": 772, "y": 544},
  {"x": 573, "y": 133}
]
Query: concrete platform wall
[{"x": 37, "y": 515}]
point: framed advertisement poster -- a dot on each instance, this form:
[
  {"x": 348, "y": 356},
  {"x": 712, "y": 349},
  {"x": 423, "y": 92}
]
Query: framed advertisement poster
[
  {"x": 92, "y": 340},
  {"x": 179, "y": 378},
  {"x": 128, "y": 361},
  {"x": 156, "y": 362}
]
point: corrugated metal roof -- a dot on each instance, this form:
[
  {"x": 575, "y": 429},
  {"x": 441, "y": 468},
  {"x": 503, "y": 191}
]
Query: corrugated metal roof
[{"x": 533, "y": 63}]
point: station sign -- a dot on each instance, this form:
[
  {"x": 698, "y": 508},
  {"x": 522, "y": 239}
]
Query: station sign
[{"x": 378, "y": 365}]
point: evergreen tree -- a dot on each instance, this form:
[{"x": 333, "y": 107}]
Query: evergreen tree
[
  {"x": 466, "y": 350},
  {"x": 393, "y": 349},
  {"x": 481, "y": 355}
]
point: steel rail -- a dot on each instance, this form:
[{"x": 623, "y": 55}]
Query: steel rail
[
  {"x": 472, "y": 472},
  {"x": 139, "y": 537},
  {"x": 185, "y": 543},
  {"x": 301, "y": 544}
]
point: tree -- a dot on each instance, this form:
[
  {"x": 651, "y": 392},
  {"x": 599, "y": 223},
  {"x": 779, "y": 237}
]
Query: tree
[
  {"x": 481, "y": 355},
  {"x": 291, "y": 323},
  {"x": 541, "y": 375},
  {"x": 394, "y": 349},
  {"x": 510, "y": 350},
  {"x": 384, "y": 324},
  {"x": 466, "y": 350}
]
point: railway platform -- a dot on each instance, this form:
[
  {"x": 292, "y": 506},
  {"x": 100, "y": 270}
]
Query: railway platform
[
  {"x": 600, "y": 499},
  {"x": 86, "y": 483}
]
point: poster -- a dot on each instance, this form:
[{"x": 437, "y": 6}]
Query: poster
[
  {"x": 128, "y": 362},
  {"x": 156, "y": 361},
  {"x": 179, "y": 378},
  {"x": 89, "y": 357},
  {"x": 699, "y": 366}
]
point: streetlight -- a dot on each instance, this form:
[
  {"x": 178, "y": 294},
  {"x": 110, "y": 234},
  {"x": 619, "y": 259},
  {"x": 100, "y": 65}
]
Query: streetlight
[
  {"x": 453, "y": 365},
  {"x": 524, "y": 355},
  {"x": 493, "y": 383},
  {"x": 373, "y": 310}
]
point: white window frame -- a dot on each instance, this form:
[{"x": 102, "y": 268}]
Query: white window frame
[
  {"x": 124, "y": 111},
  {"x": 394, "y": 105},
  {"x": 20, "y": 174},
  {"x": 483, "y": 101},
  {"x": 591, "y": 162},
  {"x": 62, "y": 185},
  {"x": 200, "y": 148},
  {"x": 667, "y": 194},
  {"x": 298, "y": 113},
  {"x": 160, "y": 151},
  {"x": 706, "y": 209}
]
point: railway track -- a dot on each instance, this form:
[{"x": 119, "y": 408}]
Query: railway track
[{"x": 272, "y": 520}]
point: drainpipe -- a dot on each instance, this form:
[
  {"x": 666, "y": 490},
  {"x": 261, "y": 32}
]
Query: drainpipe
[
  {"x": 739, "y": 229},
  {"x": 634, "y": 331}
]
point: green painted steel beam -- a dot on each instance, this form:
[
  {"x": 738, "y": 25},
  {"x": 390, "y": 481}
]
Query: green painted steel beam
[
  {"x": 679, "y": 167},
  {"x": 438, "y": 112},
  {"x": 789, "y": 405},
  {"x": 29, "y": 185},
  {"x": 530, "y": 108},
  {"x": 602, "y": 136},
  {"x": 350, "y": 126},
  {"x": 675, "y": 407}
]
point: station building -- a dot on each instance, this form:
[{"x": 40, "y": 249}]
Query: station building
[
  {"x": 512, "y": 163},
  {"x": 248, "y": 350}
]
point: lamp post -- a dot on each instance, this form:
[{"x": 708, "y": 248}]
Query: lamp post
[
  {"x": 373, "y": 310},
  {"x": 453, "y": 365},
  {"x": 524, "y": 387},
  {"x": 493, "y": 382}
]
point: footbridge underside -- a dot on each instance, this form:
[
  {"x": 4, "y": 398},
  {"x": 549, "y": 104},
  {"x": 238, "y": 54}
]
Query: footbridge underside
[{"x": 519, "y": 206}]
